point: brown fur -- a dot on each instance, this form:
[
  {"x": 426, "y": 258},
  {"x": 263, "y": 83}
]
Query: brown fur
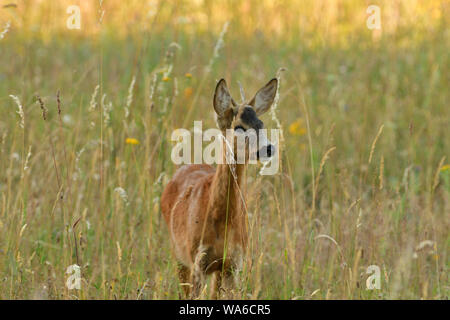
[{"x": 198, "y": 204}]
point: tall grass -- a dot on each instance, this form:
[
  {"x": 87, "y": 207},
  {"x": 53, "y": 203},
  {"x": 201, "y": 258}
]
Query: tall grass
[{"x": 364, "y": 178}]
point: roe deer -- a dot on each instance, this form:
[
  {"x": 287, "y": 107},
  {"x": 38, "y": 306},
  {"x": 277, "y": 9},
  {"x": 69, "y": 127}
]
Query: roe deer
[{"x": 204, "y": 206}]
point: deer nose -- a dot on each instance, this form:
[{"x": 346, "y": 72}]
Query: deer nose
[{"x": 266, "y": 152}]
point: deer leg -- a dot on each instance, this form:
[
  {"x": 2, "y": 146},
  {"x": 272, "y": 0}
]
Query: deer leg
[
  {"x": 197, "y": 283},
  {"x": 198, "y": 271},
  {"x": 216, "y": 285},
  {"x": 223, "y": 281},
  {"x": 227, "y": 282},
  {"x": 184, "y": 276}
]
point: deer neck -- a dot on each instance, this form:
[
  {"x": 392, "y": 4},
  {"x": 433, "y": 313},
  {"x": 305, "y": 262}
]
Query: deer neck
[{"x": 228, "y": 190}]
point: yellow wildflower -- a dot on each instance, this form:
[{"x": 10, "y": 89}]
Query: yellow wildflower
[
  {"x": 188, "y": 75},
  {"x": 166, "y": 79},
  {"x": 297, "y": 128},
  {"x": 132, "y": 141},
  {"x": 445, "y": 167}
]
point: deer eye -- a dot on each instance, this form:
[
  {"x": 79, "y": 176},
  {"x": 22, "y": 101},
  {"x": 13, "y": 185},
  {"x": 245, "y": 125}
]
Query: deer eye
[{"x": 239, "y": 127}]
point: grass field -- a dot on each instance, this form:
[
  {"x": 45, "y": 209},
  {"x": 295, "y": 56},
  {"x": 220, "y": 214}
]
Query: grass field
[{"x": 365, "y": 151}]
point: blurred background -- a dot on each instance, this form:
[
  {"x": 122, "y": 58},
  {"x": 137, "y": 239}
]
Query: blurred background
[{"x": 364, "y": 114}]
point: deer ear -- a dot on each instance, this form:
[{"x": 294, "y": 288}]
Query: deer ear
[
  {"x": 222, "y": 98},
  {"x": 223, "y": 105},
  {"x": 263, "y": 99}
]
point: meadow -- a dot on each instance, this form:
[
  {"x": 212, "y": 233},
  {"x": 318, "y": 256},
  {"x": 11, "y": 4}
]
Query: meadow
[{"x": 86, "y": 117}]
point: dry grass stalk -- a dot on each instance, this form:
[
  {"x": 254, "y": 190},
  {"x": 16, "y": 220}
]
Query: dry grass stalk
[
  {"x": 436, "y": 175},
  {"x": 372, "y": 149},
  {"x": 381, "y": 172},
  {"x": 322, "y": 164},
  {"x": 42, "y": 106}
]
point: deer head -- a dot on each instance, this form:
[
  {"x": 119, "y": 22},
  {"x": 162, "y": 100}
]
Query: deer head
[{"x": 243, "y": 120}]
